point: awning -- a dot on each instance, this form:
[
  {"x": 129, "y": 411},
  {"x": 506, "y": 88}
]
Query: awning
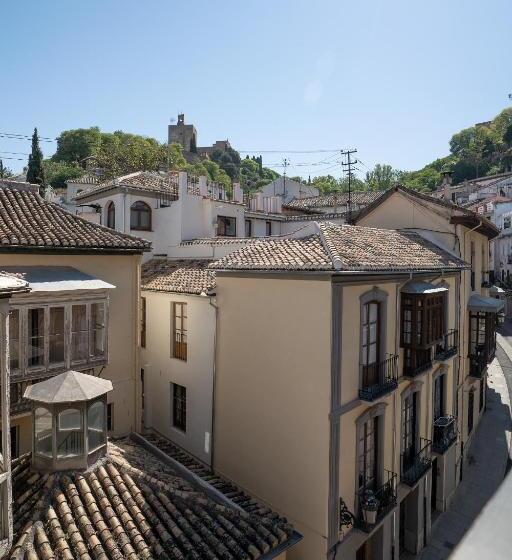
[
  {"x": 418, "y": 287},
  {"x": 485, "y": 304},
  {"x": 57, "y": 278}
]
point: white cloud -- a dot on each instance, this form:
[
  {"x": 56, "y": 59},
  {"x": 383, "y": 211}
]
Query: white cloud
[{"x": 313, "y": 92}]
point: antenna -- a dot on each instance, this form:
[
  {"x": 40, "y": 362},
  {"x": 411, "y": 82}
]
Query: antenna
[
  {"x": 347, "y": 167},
  {"x": 286, "y": 163}
]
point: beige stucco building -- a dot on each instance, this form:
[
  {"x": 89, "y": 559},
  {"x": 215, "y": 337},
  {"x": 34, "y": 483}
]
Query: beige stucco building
[
  {"x": 82, "y": 311},
  {"x": 360, "y": 377}
]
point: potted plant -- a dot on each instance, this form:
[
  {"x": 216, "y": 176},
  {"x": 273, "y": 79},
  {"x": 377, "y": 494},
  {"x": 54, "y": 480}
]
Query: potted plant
[{"x": 370, "y": 506}]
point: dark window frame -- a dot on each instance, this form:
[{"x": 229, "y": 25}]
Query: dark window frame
[
  {"x": 226, "y": 226},
  {"x": 111, "y": 215},
  {"x": 137, "y": 210},
  {"x": 110, "y": 417},
  {"x": 268, "y": 228},
  {"x": 422, "y": 320},
  {"x": 248, "y": 228},
  {"x": 179, "y": 407}
]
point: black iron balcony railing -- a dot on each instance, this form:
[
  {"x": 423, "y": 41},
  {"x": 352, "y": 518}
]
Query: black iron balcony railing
[
  {"x": 416, "y": 464},
  {"x": 448, "y": 347},
  {"x": 445, "y": 434},
  {"x": 379, "y": 379},
  {"x": 420, "y": 360},
  {"x": 478, "y": 364},
  {"x": 374, "y": 504}
]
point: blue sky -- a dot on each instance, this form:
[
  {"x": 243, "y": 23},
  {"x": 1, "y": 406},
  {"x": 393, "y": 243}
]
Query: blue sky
[{"x": 394, "y": 79}]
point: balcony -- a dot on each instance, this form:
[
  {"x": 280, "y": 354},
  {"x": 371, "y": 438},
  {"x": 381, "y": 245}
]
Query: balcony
[
  {"x": 478, "y": 365},
  {"x": 448, "y": 347},
  {"x": 379, "y": 379},
  {"x": 415, "y": 465},
  {"x": 445, "y": 434},
  {"x": 417, "y": 362},
  {"x": 374, "y": 505}
]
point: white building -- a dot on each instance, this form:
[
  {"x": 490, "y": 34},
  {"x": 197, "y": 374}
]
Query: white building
[{"x": 288, "y": 189}]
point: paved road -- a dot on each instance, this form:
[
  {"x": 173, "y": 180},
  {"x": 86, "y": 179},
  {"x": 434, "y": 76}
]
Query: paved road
[{"x": 486, "y": 465}]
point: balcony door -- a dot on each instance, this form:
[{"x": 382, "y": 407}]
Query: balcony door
[
  {"x": 371, "y": 343},
  {"x": 438, "y": 397},
  {"x": 409, "y": 423},
  {"x": 368, "y": 455}
]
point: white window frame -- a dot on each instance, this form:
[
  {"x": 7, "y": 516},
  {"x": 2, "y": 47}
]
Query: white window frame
[{"x": 67, "y": 304}]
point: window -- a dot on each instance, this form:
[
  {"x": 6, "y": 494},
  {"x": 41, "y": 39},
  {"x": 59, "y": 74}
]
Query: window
[
  {"x": 472, "y": 261},
  {"x": 14, "y": 339},
  {"x": 248, "y": 228},
  {"x": 96, "y": 436},
  {"x": 110, "y": 416},
  {"x": 143, "y": 322},
  {"x": 368, "y": 454},
  {"x": 70, "y": 434},
  {"x": 98, "y": 324},
  {"x": 43, "y": 432},
  {"x": 482, "y": 334},
  {"x": 179, "y": 328},
  {"x": 268, "y": 228},
  {"x": 111, "y": 215},
  {"x": 506, "y": 222},
  {"x": 35, "y": 337},
  {"x": 471, "y": 407},
  {"x": 226, "y": 226},
  {"x": 79, "y": 333},
  {"x": 179, "y": 407},
  {"x": 438, "y": 397},
  {"x": 56, "y": 335},
  {"x": 370, "y": 343},
  {"x": 482, "y": 395},
  {"x": 409, "y": 414},
  {"x": 140, "y": 216},
  {"x": 423, "y": 319}
]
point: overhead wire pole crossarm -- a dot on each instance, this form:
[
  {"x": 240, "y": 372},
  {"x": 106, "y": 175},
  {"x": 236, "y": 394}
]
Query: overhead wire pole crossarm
[{"x": 347, "y": 167}]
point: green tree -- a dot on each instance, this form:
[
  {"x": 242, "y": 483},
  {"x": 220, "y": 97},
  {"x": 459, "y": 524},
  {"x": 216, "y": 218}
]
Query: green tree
[
  {"x": 57, "y": 172},
  {"x": 35, "y": 170},
  {"x": 75, "y": 146},
  {"x": 381, "y": 177},
  {"x": 5, "y": 172}
]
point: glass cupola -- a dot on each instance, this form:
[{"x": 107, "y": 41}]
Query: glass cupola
[{"x": 69, "y": 421}]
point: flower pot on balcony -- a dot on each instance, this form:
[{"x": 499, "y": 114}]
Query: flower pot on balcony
[
  {"x": 370, "y": 516},
  {"x": 370, "y": 506}
]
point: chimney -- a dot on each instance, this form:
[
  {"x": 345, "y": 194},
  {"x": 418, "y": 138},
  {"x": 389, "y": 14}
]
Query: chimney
[
  {"x": 182, "y": 185},
  {"x": 237, "y": 193},
  {"x": 446, "y": 184},
  {"x": 203, "y": 186},
  {"x": 259, "y": 202}
]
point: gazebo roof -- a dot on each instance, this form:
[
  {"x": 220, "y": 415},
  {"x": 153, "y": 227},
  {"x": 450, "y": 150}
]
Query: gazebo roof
[{"x": 70, "y": 386}]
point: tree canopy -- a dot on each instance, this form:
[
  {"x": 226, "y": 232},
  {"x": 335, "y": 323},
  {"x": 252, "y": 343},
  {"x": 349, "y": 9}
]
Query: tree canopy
[{"x": 35, "y": 170}]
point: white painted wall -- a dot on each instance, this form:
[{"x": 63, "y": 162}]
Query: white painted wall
[
  {"x": 293, "y": 189},
  {"x": 196, "y": 374}
]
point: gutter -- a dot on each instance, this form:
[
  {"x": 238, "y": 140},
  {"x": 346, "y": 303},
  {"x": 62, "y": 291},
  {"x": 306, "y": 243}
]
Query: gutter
[{"x": 214, "y": 379}]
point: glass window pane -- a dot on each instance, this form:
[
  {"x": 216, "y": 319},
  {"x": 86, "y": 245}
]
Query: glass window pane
[
  {"x": 70, "y": 419},
  {"x": 79, "y": 333},
  {"x": 373, "y": 312},
  {"x": 56, "y": 334},
  {"x": 96, "y": 425},
  {"x": 98, "y": 329},
  {"x": 43, "y": 432},
  {"x": 70, "y": 434},
  {"x": 14, "y": 338},
  {"x": 35, "y": 324}
]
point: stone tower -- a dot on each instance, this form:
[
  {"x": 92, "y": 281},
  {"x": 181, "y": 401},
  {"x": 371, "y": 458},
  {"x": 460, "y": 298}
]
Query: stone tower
[{"x": 184, "y": 134}]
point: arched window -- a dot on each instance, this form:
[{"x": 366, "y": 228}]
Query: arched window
[
  {"x": 43, "y": 432},
  {"x": 140, "y": 216},
  {"x": 111, "y": 215},
  {"x": 96, "y": 425},
  {"x": 70, "y": 433}
]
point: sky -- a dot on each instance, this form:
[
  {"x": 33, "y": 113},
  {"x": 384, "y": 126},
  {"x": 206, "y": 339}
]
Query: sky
[{"x": 392, "y": 79}]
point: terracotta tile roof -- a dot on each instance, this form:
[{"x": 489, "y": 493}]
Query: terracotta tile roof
[
  {"x": 28, "y": 222},
  {"x": 185, "y": 276},
  {"x": 343, "y": 248},
  {"x": 334, "y": 199},
  {"x": 145, "y": 181},
  {"x": 18, "y": 185},
  {"x": 133, "y": 506},
  {"x": 86, "y": 179}
]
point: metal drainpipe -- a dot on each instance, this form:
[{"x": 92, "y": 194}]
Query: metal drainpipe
[{"x": 214, "y": 376}]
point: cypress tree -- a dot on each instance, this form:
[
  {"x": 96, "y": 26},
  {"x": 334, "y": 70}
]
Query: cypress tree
[{"x": 35, "y": 171}]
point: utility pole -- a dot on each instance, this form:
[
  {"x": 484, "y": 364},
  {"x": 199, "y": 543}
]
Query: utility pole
[
  {"x": 347, "y": 167},
  {"x": 286, "y": 163}
]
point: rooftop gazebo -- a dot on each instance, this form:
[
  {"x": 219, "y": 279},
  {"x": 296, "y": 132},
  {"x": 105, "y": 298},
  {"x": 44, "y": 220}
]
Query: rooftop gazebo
[{"x": 69, "y": 428}]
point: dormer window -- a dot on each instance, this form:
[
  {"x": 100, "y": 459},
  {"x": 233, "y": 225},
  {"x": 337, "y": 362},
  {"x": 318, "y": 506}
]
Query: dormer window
[{"x": 69, "y": 421}]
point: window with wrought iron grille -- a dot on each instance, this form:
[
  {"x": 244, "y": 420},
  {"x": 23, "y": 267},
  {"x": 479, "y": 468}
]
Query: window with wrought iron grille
[
  {"x": 179, "y": 406},
  {"x": 179, "y": 331}
]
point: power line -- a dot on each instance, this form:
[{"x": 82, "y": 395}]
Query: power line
[
  {"x": 17, "y": 136},
  {"x": 15, "y": 153},
  {"x": 287, "y": 151}
]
